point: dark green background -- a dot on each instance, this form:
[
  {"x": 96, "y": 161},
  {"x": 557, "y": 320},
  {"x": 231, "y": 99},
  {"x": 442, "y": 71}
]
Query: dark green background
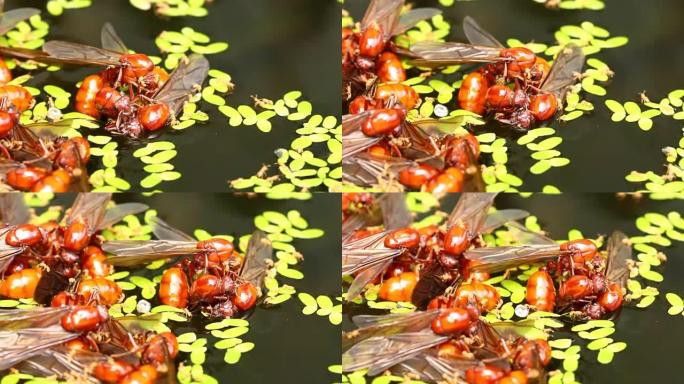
[
  {"x": 653, "y": 337},
  {"x": 290, "y": 347},
  {"x": 602, "y": 152},
  {"x": 275, "y": 47}
]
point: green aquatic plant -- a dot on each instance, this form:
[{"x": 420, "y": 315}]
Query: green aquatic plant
[
  {"x": 57, "y": 7},
  {"x": 173, "y": 8}
]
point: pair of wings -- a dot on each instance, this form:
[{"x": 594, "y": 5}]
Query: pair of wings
[
  {"x": 10, "y": 19},
  {"x": 541, "y": 248},
  {"x": 387, "y": 14},
  {"x": 485, "y": 48},
  {"x": 174, "y": 242},
  {"x": 89, "y": 207}
]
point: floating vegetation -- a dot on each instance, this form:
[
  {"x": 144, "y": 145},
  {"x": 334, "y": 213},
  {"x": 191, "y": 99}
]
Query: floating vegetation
[
  {"x": 188, "y": 40},
  {"x": 143, "y": 296},
  {"x": 571, "y": 336},
  {"x": 173, "y": 8},
  {"x": 313, "y": 160},
  {"x": 592, "y": 5},
  {"x": 57, "y": 7}
]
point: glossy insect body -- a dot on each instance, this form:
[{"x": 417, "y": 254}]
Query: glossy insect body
[
  {"x": 24, "y": 235},
  {"x": 541, "y": 293},
  {"x": 245, "y": 296},
  {"x": 402, "y": 238},
  {"x": 218, "y": 249},
  {"x": 84, "y": 318},
  {"x": 24, "y": 178},
  {"x": 56, "y": 181},
  {"x": 486, "y": 374},
  {"x": 76, "y": 235},
  {"x": 484, "y": 295},
  {"x": 461, "y": 151},
  {"x": 611, "y": 299},
  {"x": 112, "y": 371},
  {"x": 473, "y": 93},
  {"x": 145, "y": 374},
  {"x": 522, "y": 59},
  {"x": 5, "y": 73},
  {"x": 382, "y": 122},
  {"x": 7, "y": 122},
  {"x": 399, "y": 288},
  {"x": 449, "y": 181},
  {"x": 154, "y": 116},
  {"x": 451, "y": 321},
  {"x": 456, "y": 240},
  {"x": 582, "y": 250},
  {"x": 173, "y": 289},
  {"x": 136, "y": 65},
  {"x": 405, "y": 94},
  {"x": 418, "y": 176},
  {"x": 106, "y": 101},
  {"x": 95, "y": 262},
  {"x": 543, "y": 106},
  {"x": 87, "y": 94},
  {"x": 390, "y": 69},
  {"x": 107, "y": 291},
  {"x": 576, "y": 287},
  {"x": 500, "y": 97},
  {"x": 160, "y": 348},
  {"x": 206, "y": 287},
  {"x": 371, "y": 42},
  {"x": 22, "y": 284},
  {"x": 16, "y": 96}
]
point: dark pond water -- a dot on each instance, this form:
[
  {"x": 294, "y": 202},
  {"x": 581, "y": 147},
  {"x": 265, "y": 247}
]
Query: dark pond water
[
  {"x": 275, "y": 47},
  {"x": 654, "y": 338},
  {"x": 290, "y": 347},
  {"x": 601, "y": 152}
]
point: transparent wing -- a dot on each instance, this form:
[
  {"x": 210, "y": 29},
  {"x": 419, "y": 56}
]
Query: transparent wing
[
  {"x": 111, "y": 40},
  {"x": 368, "y": 251},
  {"x": 16, "y": 319},
  {"x": 89, "y": 207},
  {"x": 357, "y": 142},
  {"x": 118, "y": 212},
  {"x": 380, "y": 353},
  {"x": 183, "y": 81},
  {"x": 365, "y": 276},
  {"x": 7, "y": 254},
  {"x": 128, "y": 253},
  {"x": 74, "y": 53},
  {"x": 16, "y": 346},
  {"x": 428, "y": 366},
  {"x": 395, "y": 213},
  {"x": 496, "y": 259},
  {"x": 476, "y": 35},
  {"x": 438, "y": 54},
  {"x": 366, "y": 170},
  {"x": 12, "y": 17},
  {"x": 60, "y": 362},
  {"x": 387, "y": 325},
  {"x": 498, "y": 218},
  {"x": 410, "y": 18},
  {"x": 619, "y": 251},
  {"x": 524, "y": 236},
  {"x": 565, "y": 70},
  {"x": 471, "y": 211},
  {"x": 13, "y": 209},
  {"x": 384, "y": 14},
  {"x": 163, "y": 231},
  {"x": 258, "y": 258}
]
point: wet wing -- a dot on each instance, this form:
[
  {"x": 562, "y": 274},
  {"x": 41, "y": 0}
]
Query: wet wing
[
  {"x": 496, "y": 259},
  {"x": 619, "y": 251},
  {"x": 11, "y": 18},
  {"x": 439, "y": 54},
  {"x": 74, "y": 53},
  {"x": 471, "y": 211},
  {"x": 410, "y": 18},
  {"x": 395, "y": 213},
  {"x": 111, "y": 40},
  {"x": 13, "y": 209},
  {"x": 183, "y": 81},
  {"x": 128, "y": 253},
  {"x": 387, "y": 325},
  {"x": 565, "y": 70},
  {"x": 118, "y": 212},
  {"x": 498, "y": 218},
  {"x": 15, "y": 319},
  {"x": 258, "y": 258},
  {"x": 16, "y": 346},
  {"x": 384, "y": 14},
  {"x": 380, "y": 353},
  {"x": 89, "y": 207},
  {"x": 476, "y": 35},
  {"x": 163, "y": 231}
]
